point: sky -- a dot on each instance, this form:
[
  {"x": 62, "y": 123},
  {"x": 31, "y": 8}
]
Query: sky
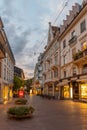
[{"x": 26, "y": 26}]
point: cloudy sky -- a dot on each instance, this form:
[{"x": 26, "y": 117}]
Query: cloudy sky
[{"x": 26, "y": 26}]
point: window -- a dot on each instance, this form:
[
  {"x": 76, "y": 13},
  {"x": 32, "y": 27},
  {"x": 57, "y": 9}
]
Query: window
[
  {"x": 51, "y": 74},
  {"x": 65, "y": 59},
  {"x": 83, "y": 26},
  {"x": 85, "y": 68},
  {"x": 74, "y": 71},
  {"x": 56, "y": 59},
  {"x": 64, "y": 43},
  {"x": 73, "y": 52},
  {"x": 73, "y": 34},
  {"x": 84, "y": 46},
  {"x": 64, "y": 73},
  {"x": 55, "y": 73}
]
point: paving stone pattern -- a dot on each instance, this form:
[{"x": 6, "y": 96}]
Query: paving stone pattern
[{"x": 48, "y": 115}]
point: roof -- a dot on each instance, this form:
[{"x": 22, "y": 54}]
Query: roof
[{"x": 55, "y": 29}]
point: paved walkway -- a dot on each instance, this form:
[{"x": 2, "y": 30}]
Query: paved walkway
[{"x": 49, "y": 115}]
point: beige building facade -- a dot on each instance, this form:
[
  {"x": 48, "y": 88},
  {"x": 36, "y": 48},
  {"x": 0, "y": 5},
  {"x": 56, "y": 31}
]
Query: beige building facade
[
  {"x": 51, "y": 63},
  {"x": 65, "y": 57},
  {"x": 7, "y": 62}
]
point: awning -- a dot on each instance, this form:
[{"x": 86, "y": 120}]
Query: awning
[
  {"x": 63, "y": 83},
  {"x": 82, "y": 80}
]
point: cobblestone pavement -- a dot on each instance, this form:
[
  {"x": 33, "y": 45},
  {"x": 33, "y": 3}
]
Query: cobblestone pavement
[{"x": 48, "y": 115}]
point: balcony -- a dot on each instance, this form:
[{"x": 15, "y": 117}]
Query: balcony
[
  {"x": 80, "y": 56},
  {"x": 2, "y": 51},
  {"x": 73, "y": 41},
  {"x": 54, "y": 66}
]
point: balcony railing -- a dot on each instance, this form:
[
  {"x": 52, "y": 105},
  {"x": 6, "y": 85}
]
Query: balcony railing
[
  {"x": 79, "y": 55},
  {"x": 2, "y": 51},
  {"x": 72, "y": 40}
]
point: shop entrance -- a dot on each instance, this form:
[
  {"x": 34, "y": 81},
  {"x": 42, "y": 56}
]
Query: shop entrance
[{"x": 75, "y": 90}]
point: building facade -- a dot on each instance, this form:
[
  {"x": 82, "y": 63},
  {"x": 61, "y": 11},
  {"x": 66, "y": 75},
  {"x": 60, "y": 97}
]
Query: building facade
[
  {"x": 7, "y": 62},
  {"x": 51, "y": 63},
  {"x": 65, "y": 56},
  {"x": 73, "y": 46},
  {"x": 19, "y": 72},
  {"x": 38, "y": 82}
]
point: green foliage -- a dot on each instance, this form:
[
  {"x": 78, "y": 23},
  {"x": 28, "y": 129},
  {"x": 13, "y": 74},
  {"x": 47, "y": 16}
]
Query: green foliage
[
  {"x": 17, "y": 83},
  {"x": 20, "y": 111},
  {"x": 28, "y": 84},
  {"x": 78, "y": 55},
  {"x": 21, "y": 101}
]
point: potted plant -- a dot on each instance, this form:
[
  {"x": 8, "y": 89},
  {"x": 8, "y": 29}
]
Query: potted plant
[
  {"x": 20, "y": 101},
  {"x": 20, "y": 112}
]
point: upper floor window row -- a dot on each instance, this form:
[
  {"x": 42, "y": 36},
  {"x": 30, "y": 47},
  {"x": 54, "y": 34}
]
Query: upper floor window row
[{"x": 83, "y": 26}]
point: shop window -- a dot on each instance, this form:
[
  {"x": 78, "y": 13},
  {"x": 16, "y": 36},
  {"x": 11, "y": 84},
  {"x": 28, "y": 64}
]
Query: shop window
[
  {"x": 85, "y": 68},
  {"x": 83, "y": 26},
  {"x": 66, "y": 92},
  {"x": 84, "y": 91}
]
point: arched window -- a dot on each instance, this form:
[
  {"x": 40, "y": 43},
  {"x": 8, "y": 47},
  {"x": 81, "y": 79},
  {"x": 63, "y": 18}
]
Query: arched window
[{"x": 85, "y": 68}]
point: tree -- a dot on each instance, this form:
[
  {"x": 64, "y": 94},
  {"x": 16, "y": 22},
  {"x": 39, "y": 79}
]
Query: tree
[
  {"x": 17, "y": 83},
  {"x": 29, "y": 84}
]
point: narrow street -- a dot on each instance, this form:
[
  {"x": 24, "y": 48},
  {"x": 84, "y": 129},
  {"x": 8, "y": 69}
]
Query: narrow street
[{"x": 48, "y": 115}]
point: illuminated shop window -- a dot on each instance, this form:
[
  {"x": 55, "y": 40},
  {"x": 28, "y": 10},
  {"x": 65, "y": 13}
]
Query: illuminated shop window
[
  {"x": 84, "y": 91},
  {"x": 66, "y": 92}
]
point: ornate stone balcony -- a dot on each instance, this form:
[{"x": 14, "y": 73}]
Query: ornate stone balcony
[
  {"x": 73, "y": 41},
  {"x": 80, "y": 56}
]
